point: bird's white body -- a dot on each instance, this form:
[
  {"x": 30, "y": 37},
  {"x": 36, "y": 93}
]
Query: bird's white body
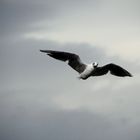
[{"x": 86, "y": 73}]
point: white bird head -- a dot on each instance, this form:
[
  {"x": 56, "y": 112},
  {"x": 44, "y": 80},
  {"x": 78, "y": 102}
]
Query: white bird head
[{"x": 95, "y": 64}]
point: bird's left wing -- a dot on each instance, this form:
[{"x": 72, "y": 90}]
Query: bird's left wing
[{"x": 116, "y": 70}]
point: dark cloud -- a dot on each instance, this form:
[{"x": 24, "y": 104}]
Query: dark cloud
[
  {"x": 18, "y": 16},
  {"x": 29, "y": 122}
]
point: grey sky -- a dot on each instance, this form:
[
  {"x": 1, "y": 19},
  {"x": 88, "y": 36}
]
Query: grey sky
[{"x": 38, "y": 102}]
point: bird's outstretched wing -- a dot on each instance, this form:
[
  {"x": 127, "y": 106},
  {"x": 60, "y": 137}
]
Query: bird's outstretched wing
[
  {"x": 116, "y": 70},
  {"x": 73, "y": 59}
]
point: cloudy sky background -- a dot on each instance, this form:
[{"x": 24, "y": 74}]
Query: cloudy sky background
[{"x": 41, "y": 98}]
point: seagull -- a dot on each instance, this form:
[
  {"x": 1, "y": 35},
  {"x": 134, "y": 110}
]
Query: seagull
[{"x": 87, "y": 70}]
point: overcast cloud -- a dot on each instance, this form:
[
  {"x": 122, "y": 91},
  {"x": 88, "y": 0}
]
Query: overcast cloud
[{"x": 41, "y": 98}]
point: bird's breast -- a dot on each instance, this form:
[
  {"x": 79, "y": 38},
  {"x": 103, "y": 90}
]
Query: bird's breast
[{"x": 87, "y": 72}]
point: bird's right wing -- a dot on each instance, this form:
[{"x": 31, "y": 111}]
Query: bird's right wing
[{"x": 73, "y": 59}]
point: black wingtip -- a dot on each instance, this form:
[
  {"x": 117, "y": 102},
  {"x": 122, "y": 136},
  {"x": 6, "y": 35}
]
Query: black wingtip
[
  {"x": 48, "y": 52},
  {"x": 43, "y": 51},
  {"x": 130, "y": 75}
]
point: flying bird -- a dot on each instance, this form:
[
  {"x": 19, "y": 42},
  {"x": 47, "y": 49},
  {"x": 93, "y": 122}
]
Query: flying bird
[{"x": 87, "y": 70}]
